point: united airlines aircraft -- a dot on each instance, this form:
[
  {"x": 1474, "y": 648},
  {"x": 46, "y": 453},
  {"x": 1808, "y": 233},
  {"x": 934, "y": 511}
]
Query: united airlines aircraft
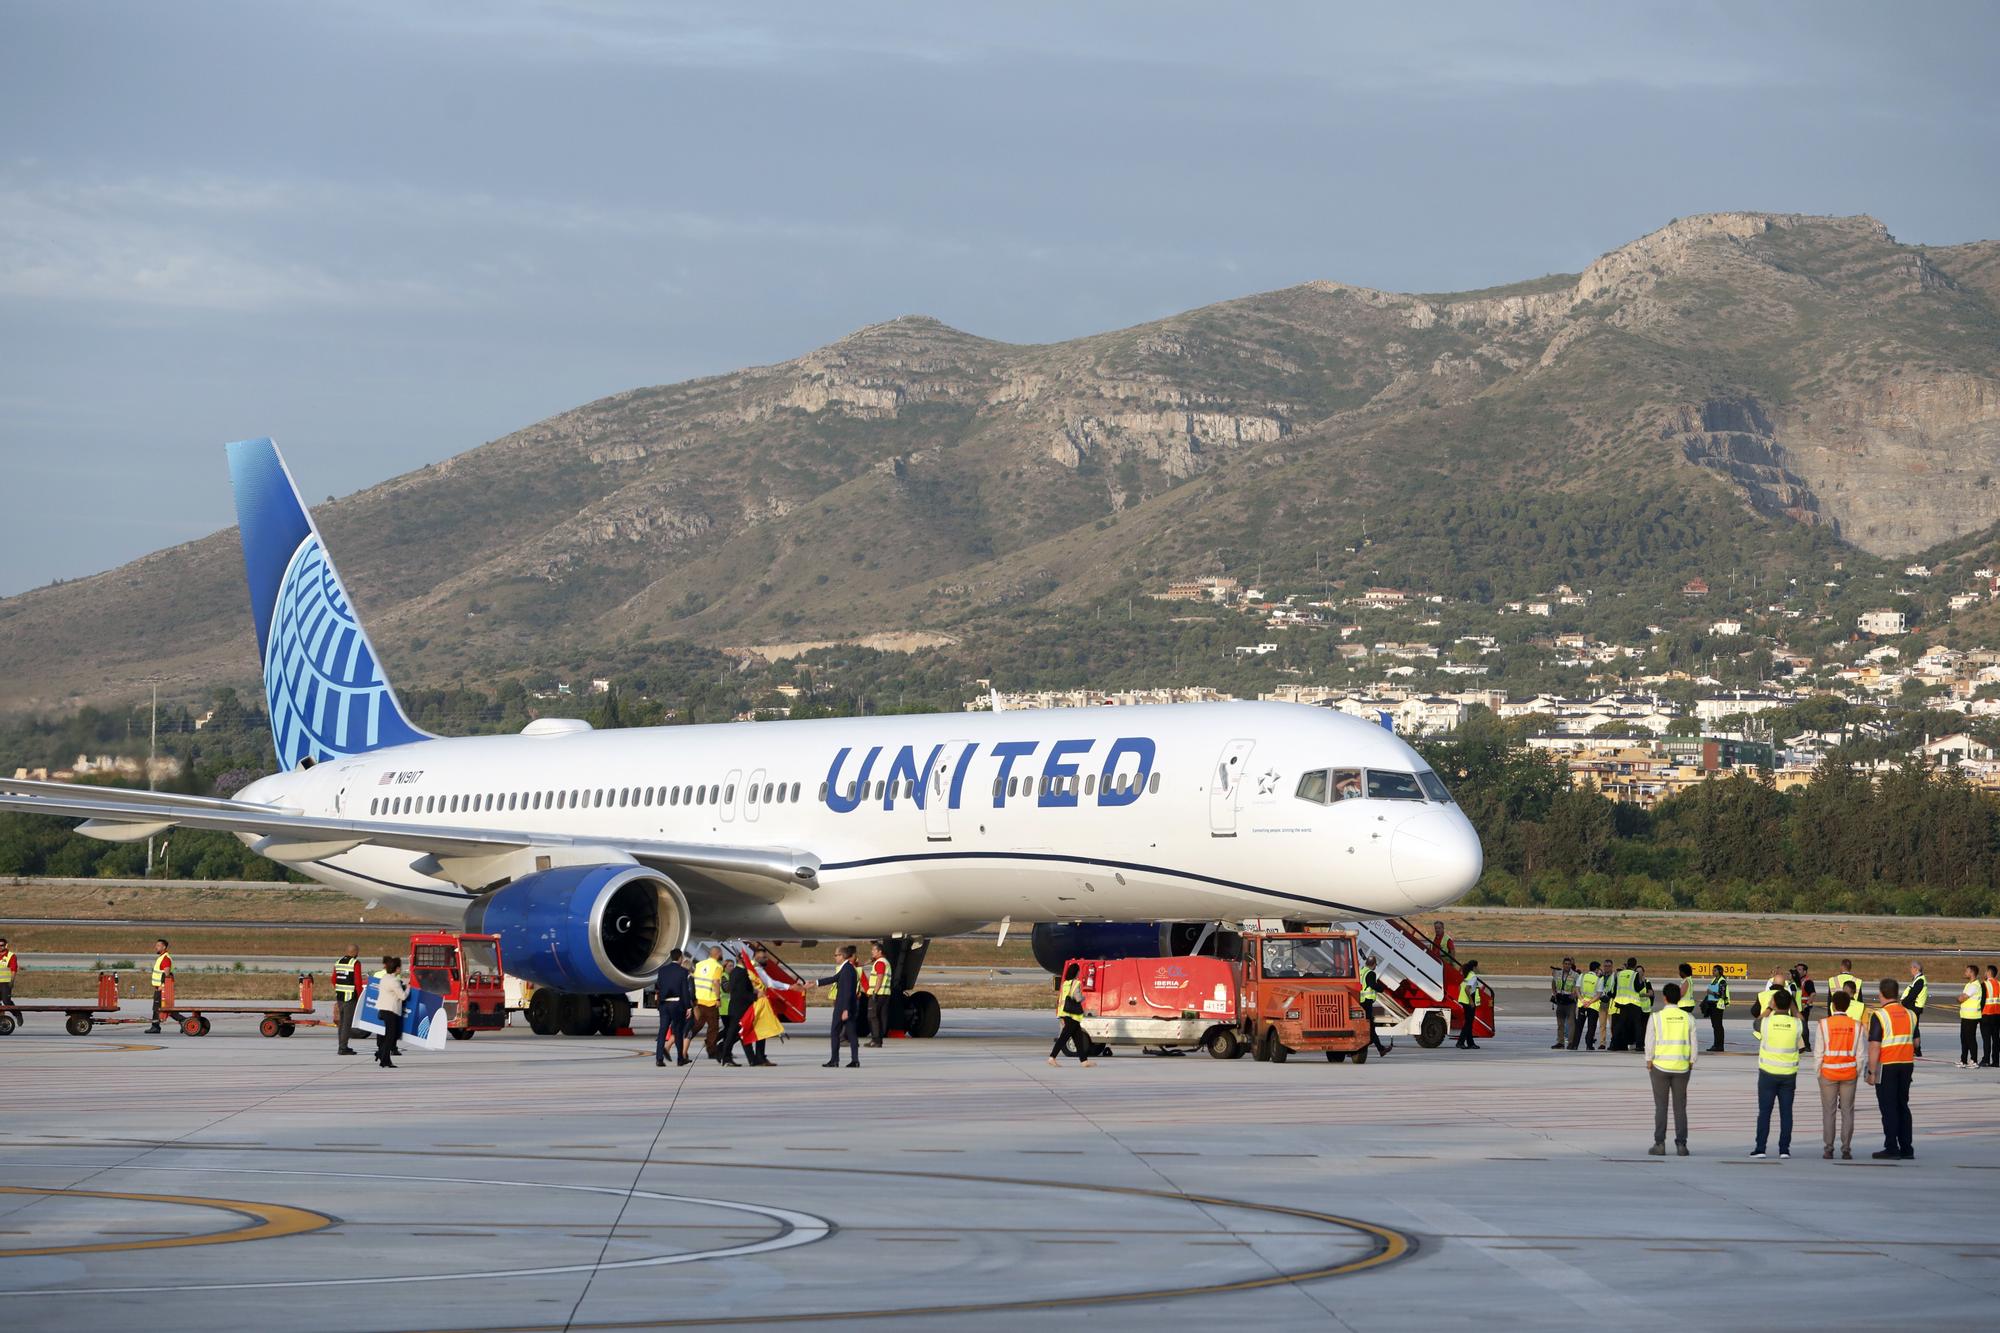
[{"x": 591, "y": 854}]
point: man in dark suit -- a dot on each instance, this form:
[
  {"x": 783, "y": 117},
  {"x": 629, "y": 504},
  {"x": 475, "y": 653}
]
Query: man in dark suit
[
  {"x": 675, "y": 998},
  {"x": 845, "y": 1027}
]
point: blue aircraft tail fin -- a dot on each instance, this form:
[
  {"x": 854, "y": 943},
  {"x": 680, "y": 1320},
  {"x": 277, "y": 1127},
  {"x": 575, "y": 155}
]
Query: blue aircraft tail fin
[{"x": 322, "y": 680}]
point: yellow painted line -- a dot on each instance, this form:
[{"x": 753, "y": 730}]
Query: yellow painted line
[{"x": 268, "y": 1221}]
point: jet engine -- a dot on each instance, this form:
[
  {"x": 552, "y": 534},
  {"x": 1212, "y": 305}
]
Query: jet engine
[{"x": 585, "y": 929}]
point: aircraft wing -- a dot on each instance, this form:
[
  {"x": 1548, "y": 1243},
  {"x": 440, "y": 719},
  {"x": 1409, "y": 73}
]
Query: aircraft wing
[{"x": 460, "y": 854}]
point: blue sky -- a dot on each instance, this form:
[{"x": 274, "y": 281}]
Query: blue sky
[{"x": 386, "y": 231}]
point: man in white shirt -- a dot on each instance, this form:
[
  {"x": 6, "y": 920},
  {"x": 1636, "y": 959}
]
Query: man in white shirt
[{"x": 1671, "y": 1051}]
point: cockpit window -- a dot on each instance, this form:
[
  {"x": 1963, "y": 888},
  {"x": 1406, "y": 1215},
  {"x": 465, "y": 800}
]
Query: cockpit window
[
  {"x": 1312, "y": 786},
  {"x": 1393, "y": 786},
  {"x": 1346, "y": 783},
  {"x": 1433, "y": 786}
]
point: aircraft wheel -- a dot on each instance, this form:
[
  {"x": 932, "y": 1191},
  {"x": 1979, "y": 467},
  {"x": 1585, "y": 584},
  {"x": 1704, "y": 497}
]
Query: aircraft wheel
[
  {"x": 205, "y": 1026},
  {"x": 267, "y": 1028},
  {"x": 926, "y": 1015},
  {"x": 287, "y": 1029},
  {"x": 621, "y": 1015},
  {"x": 1223, "y": 1045},
  {"x": 1433, "y": 1030},
  {"x": 6, "y": 1024},
  {"x": 574, "y": 1015},
  {"x": 1274, "y": 1050},
  {"x": 460, "y": 1034},
  {"x": 542, "y": 1018},
  {"x": 79, "y": 1025}
]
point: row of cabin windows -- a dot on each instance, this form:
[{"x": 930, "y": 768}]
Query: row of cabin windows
[{"x": 770, "y": 793}]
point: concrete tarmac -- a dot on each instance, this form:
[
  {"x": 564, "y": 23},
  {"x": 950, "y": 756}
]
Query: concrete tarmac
[{"x": 522, "y": 1182}]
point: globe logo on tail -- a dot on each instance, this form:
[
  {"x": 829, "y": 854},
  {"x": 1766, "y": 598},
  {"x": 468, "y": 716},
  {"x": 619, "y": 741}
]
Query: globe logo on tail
[{"x": 327, "y": 695}]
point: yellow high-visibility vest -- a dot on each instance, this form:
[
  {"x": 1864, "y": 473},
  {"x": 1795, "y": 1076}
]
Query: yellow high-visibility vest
[
  {"x": 1839, "y": 979},
  {"x": 1468, "y": 990},
  {"x": 1628, "y": 991},
  {"x": 6, "y": 965},
  {"x": 1673, "y": 1041},
  {"x": 707, "y": 981},
  {"x": 345, "y": 973},
  {"x": 1687, "y": 1002},
  {"x": 1590, "y": 984},
  {"x": 1778, "y": 1049},
  {"x": 163, "y": 967},
  {"x": 1919, "y": 993},
  {"x": 1971, "y": 1000},
  {"x": 1069, "y": 988}
]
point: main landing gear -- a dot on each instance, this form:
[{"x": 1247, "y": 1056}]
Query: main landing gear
[
  {"x": 550, "y": 1012},
  {"x": 913, "y": 1012}
]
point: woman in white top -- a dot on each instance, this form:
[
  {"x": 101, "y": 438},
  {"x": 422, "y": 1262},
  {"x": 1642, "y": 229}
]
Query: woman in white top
[{"x": 390, "y": 992}]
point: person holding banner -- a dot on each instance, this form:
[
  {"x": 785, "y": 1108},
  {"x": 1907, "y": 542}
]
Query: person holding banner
[
  {"x": 391, "y": 990},
  {"x": 760, "y": 1018}
]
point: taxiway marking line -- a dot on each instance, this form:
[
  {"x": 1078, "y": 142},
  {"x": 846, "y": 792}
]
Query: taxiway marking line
[{"x": 267, "y": 1222}]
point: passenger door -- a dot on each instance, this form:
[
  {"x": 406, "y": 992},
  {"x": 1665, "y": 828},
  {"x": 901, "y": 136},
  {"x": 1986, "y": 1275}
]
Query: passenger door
[
  {"x": 937, "y": 792},
  {"x": 1225, "y": 784}
]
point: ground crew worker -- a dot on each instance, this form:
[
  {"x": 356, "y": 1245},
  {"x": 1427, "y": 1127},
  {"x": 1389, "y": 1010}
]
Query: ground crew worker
[
  {"x": 1688, "y": 1001},
  {"x": 1468, "y": 1001},
  {"x": 1624, "y": 1005},
  {"x": 1777, "y": 1072},
  {"x": 1439, "y": 940},
  {"x": 1069, "y": 1012},
  {"x": 738, "y": 995},
  {"x": 1803, "y": 991},
  {"x": 1715, "y": 1004},
  {"x": 10, "y": 963},
  {"x": 347, "y": 984},
  {"x": 707, "y": 995},
  {"x": 1765, "y": 998},
  {"x": 1670, "y": 1056},
  {"x": 1563, "y": 988},
  {"x": 1841, "y": 978},
  {"x": 1590, "y": 999},
  {"x": 1839, "y": 1073},
  {"x": 163, "y": 967},
  {"x": 1971, "y": 1002},
  {"x": 1891, "y": 1067},
  {"x": 1991, "y": 1017},
  {"x": 1607, "y": 1012},
  {"x": 1371, "y": 991},
  {"x": 1915, "y": 996},
  {"x": 875, "y": 983}
]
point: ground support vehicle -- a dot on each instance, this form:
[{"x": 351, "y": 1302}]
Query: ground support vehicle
[
  {"x": 272, "y": 1020},
  {"x": 466, "y": 971},
  {"x": 1419, "y": 996},
  {"x": 1270, "y": 993},
  {"x": 80, "y": 1018}
]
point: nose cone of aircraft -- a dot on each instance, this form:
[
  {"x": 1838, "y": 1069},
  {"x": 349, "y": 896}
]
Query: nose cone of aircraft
[{"x": 1435, "y": 857}]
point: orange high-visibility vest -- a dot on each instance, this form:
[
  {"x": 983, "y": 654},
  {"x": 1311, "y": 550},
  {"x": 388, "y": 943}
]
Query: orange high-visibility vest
[
  {"x": 1897, "y": 1030},
  {"x": 1992, "y": 986},
  {"x": 1838, "y": 1062}
]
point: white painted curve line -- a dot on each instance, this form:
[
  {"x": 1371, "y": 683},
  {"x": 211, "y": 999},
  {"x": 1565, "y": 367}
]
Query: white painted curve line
[{"x": 801, "y": 1229}]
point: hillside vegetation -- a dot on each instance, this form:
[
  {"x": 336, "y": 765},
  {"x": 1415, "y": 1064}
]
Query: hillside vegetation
[{"x": 1734, "y": 392}]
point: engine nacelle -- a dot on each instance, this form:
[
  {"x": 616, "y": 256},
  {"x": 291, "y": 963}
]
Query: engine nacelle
[{"x": 585, "y": 929}]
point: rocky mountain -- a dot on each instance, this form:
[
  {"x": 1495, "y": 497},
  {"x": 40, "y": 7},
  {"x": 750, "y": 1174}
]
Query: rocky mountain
[{"x": 1779, "y": 379}]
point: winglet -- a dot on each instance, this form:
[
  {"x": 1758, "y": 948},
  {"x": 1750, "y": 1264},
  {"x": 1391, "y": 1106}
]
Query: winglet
[{"x": 322, "y": 682}]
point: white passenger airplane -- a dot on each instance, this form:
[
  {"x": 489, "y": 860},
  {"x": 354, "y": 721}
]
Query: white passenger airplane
[{"x": 591, "y": 854}]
